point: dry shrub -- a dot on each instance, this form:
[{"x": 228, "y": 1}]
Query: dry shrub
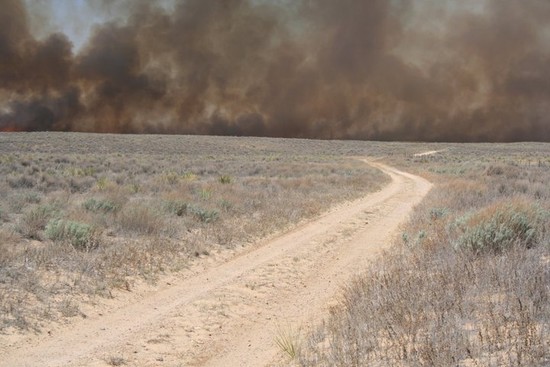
[
  {"x": 139, "y": 219},
  {"x": 494, "y": 170},
  {"x": 33, "y": 221},
  {"x": 426, "y": 308},
  {"x": 21, "y": 182},
  {"x": 7, "y": 251},
  {"x": 508, "y": 171},
  {"x": 176, "y": 207},
  {"x": 121, "y": 260},
  {"x": 468, "y": 286}
]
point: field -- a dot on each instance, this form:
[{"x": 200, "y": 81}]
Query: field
[
  {"x": 85, "y": 218},
  {"x": 82, "y": 214}
]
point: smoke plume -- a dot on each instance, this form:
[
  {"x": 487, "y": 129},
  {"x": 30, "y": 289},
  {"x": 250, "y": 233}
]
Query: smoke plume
[{"x": 380, "y": 70}]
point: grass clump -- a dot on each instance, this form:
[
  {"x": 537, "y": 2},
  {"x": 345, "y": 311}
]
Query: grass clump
[
  {"x": 97, "y": 205},
  {"x": 171, "y": 178},
  {"x": 288, "y": 341},
  {"x": 80, "y": 235},
  {"x": 225, "y": 179}
]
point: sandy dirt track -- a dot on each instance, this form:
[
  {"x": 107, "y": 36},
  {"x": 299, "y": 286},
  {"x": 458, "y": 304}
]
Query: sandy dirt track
[
  {"x": 228, "y": 313},
  {"x": 431, "y": 152}
]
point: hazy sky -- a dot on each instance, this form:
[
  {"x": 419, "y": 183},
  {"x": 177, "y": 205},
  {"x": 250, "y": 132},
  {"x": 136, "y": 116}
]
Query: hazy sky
[{"x": 77, "y": 18}]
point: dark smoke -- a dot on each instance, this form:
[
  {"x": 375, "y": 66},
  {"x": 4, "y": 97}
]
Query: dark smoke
[{"x": 379, "y": 69}]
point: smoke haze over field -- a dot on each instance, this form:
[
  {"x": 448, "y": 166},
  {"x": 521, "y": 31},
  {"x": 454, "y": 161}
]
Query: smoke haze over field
[{"x": 431, "y": 70}]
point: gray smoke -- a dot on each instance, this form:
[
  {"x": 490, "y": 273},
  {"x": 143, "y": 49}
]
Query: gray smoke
[{"x": 383, "y": 70}]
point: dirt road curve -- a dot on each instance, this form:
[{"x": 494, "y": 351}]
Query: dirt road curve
[{"x": 229, "y": 313}]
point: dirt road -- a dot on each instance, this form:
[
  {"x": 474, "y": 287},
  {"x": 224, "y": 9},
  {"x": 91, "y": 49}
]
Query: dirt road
[{"x": 229, "y": 313}]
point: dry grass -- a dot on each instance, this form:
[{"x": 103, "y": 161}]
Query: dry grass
[
  {"x": 467, "y": 285},
  {"x": 288, "y": 341},
  {"x": 82, "y": 214}
]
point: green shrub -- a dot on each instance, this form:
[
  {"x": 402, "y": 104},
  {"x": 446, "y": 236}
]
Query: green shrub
[
  {"x": 80, "y": 235},
  {"x": 105, "y": 206},
  {"x": 500, "y": 226}
]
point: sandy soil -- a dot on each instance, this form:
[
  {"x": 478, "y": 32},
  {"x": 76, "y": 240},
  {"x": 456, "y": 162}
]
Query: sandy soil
[
  {"x": 228, "y": 313},
  {"x": 431, "y": 152}
]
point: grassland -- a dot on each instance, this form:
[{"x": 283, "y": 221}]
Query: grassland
[
  {"x": 82, "y": 215},
  {"x": 467, "y": 282}
]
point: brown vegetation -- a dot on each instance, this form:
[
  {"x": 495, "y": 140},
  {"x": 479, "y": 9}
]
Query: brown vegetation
[{"x": 465, "y": 284}]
